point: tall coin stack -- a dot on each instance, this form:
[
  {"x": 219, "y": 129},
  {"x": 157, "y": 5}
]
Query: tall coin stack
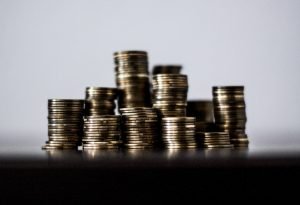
[
  {"x": 140, "y": 128},
  {"x": 101, "y": 132},
  {"x": 101, "y": 126},
  {"x": 230, "y": 113},
  {"x": 65, "y": 121},
  {"x": 170, "y": 94},
  {"x": 179, "y": 132},
  {"x": 132, "y": 78},
  {"x": 166, "y": 69},
  {"x": 212, "y": 140}
]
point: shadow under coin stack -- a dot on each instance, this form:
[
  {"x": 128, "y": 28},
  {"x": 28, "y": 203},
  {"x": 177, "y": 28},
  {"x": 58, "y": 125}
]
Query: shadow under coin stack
[
  {"x": 101, "y": 126},
  {"x": 166, "y": 69},
  {"x": 212, "y": 140},
  {"x": 140, "y": 128},
  {"x": 132, "y": 78},
  {"x": 230, "y": 113},
  {"x": 65, "y": 122},
  {"x": 170, "y": 94},
  {"x": 203, "y": 111},
  {"x": 179, "y": 132}
]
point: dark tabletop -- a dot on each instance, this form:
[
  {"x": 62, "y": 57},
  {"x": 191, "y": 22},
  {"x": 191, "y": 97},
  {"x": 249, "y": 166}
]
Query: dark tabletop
[{"x": 264, "y": 171}]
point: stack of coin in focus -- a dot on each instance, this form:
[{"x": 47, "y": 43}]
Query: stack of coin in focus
[
  {"x": 213, "y": 140},
  {"x": 65, "y": 121},
  {"x": 101, "y": 132},
  {"x": 230, "y": 113},
  {"x": 170, "y": 94},
  {"x": 101, "y": 126},
  {"x": 179, "y": 132},
  {"x": 100, "y": 101},
  {"x": 166, "y": 69},
  {"x": 132, "y": 78},
  {"x": 202, "y": 110},
  {"x": 140, "y": 128}
]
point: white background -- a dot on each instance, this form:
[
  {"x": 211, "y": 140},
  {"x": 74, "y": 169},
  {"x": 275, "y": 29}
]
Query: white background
[{"x": 54, "y": 49}]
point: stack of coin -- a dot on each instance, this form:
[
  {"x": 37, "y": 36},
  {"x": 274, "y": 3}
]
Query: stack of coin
[
  {"x": 202, "y": 110},
  {"x": 140, "y": 128},
  {"x": 179, "y": 132},
  {"x": 166, "y": 69},
  {"x": 65, "y": 121},
  {"x": 230, "y": 113},
  {"x": 100, "y": 101},
  {"x": 132, "y": 78},
  {"x": 212, "y": 140},
  {"x": 170, "y": 94},
  {"x": 101, "y": 132}
]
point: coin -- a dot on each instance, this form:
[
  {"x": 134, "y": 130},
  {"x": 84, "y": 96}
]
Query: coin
[
  {"x": 166, "y": 69},
  {"x": 213, "y": 140},
  {"x": 65, "y": 122},
  {"x": 140, "y": 127},
  {"x": 230, "y": 112},
  {"x": 132, "y": 79}
]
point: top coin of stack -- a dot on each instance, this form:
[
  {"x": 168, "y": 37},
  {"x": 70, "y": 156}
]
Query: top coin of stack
[
  {"x": 132, "y": 78},
  {"x": 230, "y": 113},
  {"x": 65, "y": 121},
  {"x": 170, "y": 94},
  {"x": 100, "y": 101},
  {"x": 140, "y": 128},
  {"x": 166, "y": 69}
]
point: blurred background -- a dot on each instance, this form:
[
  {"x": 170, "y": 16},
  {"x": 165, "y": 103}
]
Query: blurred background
[{"x": 54, "y": 49}]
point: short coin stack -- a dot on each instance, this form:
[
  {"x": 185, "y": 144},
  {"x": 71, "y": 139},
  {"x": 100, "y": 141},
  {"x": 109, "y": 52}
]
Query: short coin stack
[
  {"x": 212, "y": 140},
  {"x": 101, "y": 132},
  {"x": 132, "y": 78},
  {"x": 230, "y": 113},
  {"x": 140, "y": 128},
  {"x": 65, "y": 121},
  {"x": 202, "y": 110},
  {"x": 179, "y": 132},
  {"x": 170, "y": 94},
  {"x": 100, "y": 101},
  {"x": 101, "y": 126},
  {"x": 166, "y": 69}
]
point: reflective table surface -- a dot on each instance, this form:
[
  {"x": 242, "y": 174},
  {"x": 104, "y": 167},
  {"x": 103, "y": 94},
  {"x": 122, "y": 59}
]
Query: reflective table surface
[{"x": 262, "y": 173}]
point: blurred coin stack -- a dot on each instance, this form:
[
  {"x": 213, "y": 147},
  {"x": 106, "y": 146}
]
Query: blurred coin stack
[
  {"x": 101, "y": 132},
  {"x": 179, "y": 132},
  {"x": 170, "y": 94},
  {"x": 65, "y": 122},
  {"x": 100, "y": 101},
  {"x": 101, "y": 126},
  {"x": 140, "y": 128},
  {"x": 212, "y": 140},
  {"x": 202, "y": 110},
  {"x": 132, "y": 78},
  {"x": 166, "y": 69},
  {"x": 230, "y": 113}
]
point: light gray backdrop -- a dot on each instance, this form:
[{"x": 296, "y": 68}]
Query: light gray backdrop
[{"x": 54, "y": 49}]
